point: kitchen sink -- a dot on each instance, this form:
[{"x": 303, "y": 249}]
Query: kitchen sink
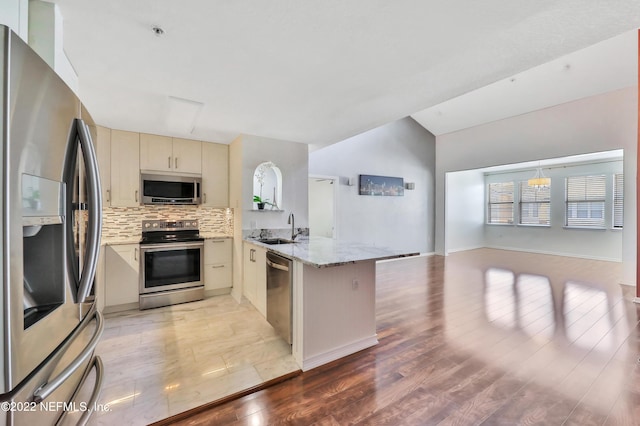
[{"x": 272, "y": 241}]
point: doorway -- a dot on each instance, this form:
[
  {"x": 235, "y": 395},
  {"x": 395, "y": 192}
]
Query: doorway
[{"x": 322, "y": 206}]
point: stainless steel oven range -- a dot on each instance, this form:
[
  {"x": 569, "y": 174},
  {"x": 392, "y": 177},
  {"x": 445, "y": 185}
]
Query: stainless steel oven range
[{"x": 171, "y": 263}]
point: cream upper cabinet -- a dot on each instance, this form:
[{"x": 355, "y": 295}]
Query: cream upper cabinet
[
  {"x": 125, "y": 169},
  {"x": 156, "y": 153},
  {"x": 103, "y": 153},
  {"x": 165, "y": 154},
  {"x": 215, "y": 175},
  {"x": 187, "y": 156}
]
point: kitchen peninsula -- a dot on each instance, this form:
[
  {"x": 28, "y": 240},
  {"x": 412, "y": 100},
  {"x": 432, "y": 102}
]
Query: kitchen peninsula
[{"x": 333, "y": 300}]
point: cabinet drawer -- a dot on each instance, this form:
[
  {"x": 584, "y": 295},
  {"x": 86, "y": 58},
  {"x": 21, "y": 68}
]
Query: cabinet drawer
[
  {"x": 217, "y": 250},
  {"x": 217, "y": 276}
]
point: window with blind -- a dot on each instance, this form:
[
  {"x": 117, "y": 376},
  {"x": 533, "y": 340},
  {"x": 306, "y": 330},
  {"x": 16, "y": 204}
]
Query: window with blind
[
  {"x": 535, "y": 205},
  {"x": 500, "y": 209},
  {"x": 585, "y": 201},
  {"x": 618, "y": 200}
]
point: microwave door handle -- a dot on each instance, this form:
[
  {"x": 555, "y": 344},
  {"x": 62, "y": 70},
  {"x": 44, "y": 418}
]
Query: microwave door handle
[{"x": 94, "y": 199}]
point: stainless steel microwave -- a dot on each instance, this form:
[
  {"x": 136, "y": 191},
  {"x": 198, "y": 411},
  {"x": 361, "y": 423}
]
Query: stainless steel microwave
[{"x": 167, "y": 189}]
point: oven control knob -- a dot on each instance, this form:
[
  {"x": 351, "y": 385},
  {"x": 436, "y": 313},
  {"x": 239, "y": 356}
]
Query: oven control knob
[
  {"x": 155, "y": 225},
  {"x": 146, "y": 225}
]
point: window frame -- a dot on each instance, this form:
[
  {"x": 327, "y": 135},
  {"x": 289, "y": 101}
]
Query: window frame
[
  {"x": 537, "y": 203},
  {"x": 490, "y": 203},
  {"x": 618, "y": 198},
  {"x": 588, "y": 200}
]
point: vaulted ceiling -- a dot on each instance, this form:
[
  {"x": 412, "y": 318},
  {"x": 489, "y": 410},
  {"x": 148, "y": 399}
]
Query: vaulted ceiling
[{"x": 318, "y": 72}]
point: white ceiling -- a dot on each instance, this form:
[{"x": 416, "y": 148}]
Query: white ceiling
[{"x": 318, "y": 72}]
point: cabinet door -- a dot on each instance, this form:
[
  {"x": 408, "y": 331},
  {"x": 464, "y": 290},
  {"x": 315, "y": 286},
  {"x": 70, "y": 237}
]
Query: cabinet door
[
  {"x": 187, "y": 156},
  {"x": 261, "y": 281},
  {"x": 217, "y": 250},
  {"x": 125, "y": 169},
  {"x": 215, "y": 175},
  {"x": 103, "y": 154},
  {"x": 249, "y": 276},
  {"x": 156, "y": 153},
  {"x": 122, "y": 264},
  {"x": 217, "y": 263},
  {"x": 217, "y": 276}
]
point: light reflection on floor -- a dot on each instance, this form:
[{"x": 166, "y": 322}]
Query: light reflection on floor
[{"x": 539, "y": 312}]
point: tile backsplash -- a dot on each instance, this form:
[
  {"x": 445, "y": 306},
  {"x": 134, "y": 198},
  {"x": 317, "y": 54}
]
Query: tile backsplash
[{"x": 125, "y": 222}]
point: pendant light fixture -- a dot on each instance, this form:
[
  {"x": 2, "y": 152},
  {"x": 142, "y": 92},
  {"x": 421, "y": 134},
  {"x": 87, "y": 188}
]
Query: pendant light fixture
[{"x": 539, "y": 180}]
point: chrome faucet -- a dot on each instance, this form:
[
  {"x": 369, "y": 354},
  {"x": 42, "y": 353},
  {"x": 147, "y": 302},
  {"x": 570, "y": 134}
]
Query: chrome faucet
[{"x": 292, "y": 222}]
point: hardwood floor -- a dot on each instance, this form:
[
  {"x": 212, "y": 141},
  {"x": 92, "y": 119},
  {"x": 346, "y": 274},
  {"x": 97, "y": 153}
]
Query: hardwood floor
[{"x": 479, "y": 337}]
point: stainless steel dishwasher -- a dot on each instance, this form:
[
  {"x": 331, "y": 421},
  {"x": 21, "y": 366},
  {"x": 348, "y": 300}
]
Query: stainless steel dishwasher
[{"x": 279, "y": 294}]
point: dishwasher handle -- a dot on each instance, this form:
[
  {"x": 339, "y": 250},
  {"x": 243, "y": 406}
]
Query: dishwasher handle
[{"x": 277, "y": 266}]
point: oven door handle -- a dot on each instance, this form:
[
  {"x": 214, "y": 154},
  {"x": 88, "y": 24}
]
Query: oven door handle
[{"x": 170, "y": 246}]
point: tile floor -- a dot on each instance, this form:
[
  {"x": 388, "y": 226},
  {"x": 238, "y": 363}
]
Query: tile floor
[{"x": 164, "y": 361}]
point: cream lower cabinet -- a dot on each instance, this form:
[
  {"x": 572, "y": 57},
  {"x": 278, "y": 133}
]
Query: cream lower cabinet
[
  {"x": 218, "y": 257},
  {"x": 122, "y": 267},
  {"x": 255, "y": 276}
]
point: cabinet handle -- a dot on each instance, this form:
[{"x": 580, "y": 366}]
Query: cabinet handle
[
  {"x": 217, "y": 266},
  {"x": 217, "y": 241},
  {"x": 135, "y": 254},
  {"x": 108, "y": 195},
  {"x": 204, "y": 197},
  {"x": 176, "y": 163},
  {"x": 169, "y": 160},
  {"x": 136, "y": 195},
  {"x": 251, "y": 257}
]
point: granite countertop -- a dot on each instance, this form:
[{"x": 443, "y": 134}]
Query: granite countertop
[
  {"x": 208, "y": 235},
  {"x": 119, "y": 240},
  {"x": 325, "y": 252}
]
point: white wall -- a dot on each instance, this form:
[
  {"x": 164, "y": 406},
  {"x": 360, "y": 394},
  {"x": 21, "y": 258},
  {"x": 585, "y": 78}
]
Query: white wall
[
  {"x": 402, "y": 149},
  {"x": 605, "y": 244},
  {"x": 321, "y": 207},
  {"x": 598, "y": 123},
  {"x": 15, "y": 15},
  {"x": 292, "y": 159},
  {"x": 465, "y": 210}
]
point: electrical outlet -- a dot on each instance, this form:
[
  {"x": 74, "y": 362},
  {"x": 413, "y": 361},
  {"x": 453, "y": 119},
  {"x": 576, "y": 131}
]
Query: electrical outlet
[{"x": 354, "y": 284}]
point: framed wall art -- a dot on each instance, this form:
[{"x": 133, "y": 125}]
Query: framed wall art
[{"x": 381, "y": 185}]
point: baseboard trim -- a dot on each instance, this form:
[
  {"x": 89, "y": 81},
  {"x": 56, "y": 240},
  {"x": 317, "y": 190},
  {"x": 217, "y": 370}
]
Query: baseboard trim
[
  {"x": 217, "y": 292},
  {"x": 555, "y": 253},
  {"x": 465, "y": 249},
  {"x": 339, "y": 352},
  {"x": 121, "y": 308}
]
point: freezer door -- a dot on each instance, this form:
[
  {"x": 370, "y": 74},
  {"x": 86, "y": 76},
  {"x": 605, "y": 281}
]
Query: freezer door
[{"x": 52, "y": 392}]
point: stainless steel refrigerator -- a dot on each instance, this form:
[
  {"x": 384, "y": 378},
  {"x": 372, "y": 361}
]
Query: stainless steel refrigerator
[{"x": 50, "y": 236}]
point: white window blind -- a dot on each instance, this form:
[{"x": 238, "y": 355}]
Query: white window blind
[
  {"x": 535, "y": 205},
  {"x": 585, "y": 201},
  {"x": 618, "y": 200},
  {"x": 500, "y": 203}
]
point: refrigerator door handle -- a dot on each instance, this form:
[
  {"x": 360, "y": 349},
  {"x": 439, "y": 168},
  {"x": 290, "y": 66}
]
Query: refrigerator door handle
[
  {"x": 94, "y": 197},
  {"x": 48, "y": 388},
  {"x": 91, "y": 404}
]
